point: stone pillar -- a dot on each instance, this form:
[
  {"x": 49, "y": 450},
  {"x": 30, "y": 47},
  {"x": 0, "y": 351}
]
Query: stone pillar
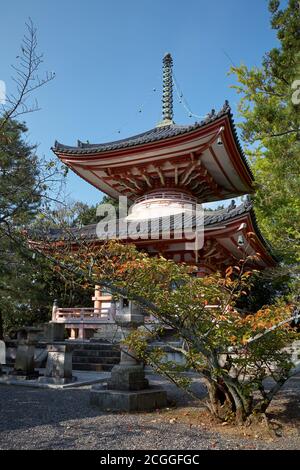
[
  {"x": 128, "y": 389},
  {"x": 113, "y": 310},
  {"x": 81, "y": 331},
  {"x": 54, "y": 310},
  {"x": 54, "y": 332},
  {"x": 73, "y": 333},
  {"x": 129, "y": 374},
  {"x": 97, "y": 299},
  {"x": 24, "y": 364},
  {"x": 59, "y": 364},
  {"x": 2, "y": 355}
]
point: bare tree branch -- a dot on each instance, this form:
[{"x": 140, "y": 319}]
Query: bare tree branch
[{"x": 26, "y": 79}]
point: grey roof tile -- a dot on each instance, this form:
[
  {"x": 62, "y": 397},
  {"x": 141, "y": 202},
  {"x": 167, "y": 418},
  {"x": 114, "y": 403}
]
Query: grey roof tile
[
  {"x": 154, "y": 135},
  {"x": 211, "y": 218}
]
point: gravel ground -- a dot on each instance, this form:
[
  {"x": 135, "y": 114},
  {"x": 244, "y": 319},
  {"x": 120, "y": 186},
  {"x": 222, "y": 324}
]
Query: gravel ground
[{"x": 63, "y": 419}]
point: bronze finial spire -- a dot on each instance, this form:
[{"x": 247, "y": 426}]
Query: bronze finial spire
[{"x": 167, "y": 97}]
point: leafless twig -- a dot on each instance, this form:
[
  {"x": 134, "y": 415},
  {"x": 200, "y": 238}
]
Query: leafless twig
[{"x": 26, "y": 78}]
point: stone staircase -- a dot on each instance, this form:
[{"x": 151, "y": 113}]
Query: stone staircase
[{"x": 95, "y": 356}]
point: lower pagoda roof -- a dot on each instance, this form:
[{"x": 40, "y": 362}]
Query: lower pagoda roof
[
  {"x": 221, "y": 231},
  {"x": 204, "y": 159}
]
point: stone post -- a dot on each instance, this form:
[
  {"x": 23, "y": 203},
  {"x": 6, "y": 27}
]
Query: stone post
[
  {"x": 129, "y": 374},
  {"x": 59, "y": 364},
  {"x": 81, "y": 333},
  {"x": 97, "y": 299},
  {"x": 54, "y": 310},
  {"x": 54, "y": 332},
  {"x": 128, "y": 389},
  {"x": 2, "y": 355},
  {"x": 113, "y": 310},
  {"x": 24, "y": 364},
  {"x": 73, "y": 333}
]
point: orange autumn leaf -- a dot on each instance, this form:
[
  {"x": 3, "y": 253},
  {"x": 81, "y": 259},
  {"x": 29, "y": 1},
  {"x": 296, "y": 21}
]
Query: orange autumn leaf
[{"x": 229, "y": 271}]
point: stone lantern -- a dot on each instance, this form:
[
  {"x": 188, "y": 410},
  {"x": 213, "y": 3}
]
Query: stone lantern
[{"x": 128, "y": 389}]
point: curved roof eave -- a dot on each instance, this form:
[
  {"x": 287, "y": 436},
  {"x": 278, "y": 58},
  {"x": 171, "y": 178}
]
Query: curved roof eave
[{"x": 155, "y": 135}]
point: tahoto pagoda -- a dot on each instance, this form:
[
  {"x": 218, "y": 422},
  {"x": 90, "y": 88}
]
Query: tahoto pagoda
[{"x": 170, "y": 165}]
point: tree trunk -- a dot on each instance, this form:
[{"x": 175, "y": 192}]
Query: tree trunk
[
  {"x": 226, "y": 401},
  {"x": 262, "y": 405}
]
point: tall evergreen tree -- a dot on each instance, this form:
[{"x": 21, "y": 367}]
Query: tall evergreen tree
[
  {"x": 19, "y": 200},
  {"x": 24, "y": 181},
  {"x": 20, "y": 194},
  {"x": 270, "y": 107},
  {"x": 28, "y": 285}
]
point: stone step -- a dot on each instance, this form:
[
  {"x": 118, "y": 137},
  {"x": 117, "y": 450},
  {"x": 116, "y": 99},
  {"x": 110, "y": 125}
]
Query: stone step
[
  {"x": 10, "y": 362},
  {"x": 90, "y": 353},
  {"x": 95, "y": 347},
  {"x": 99, "y": 340},
  {"x": 98, "y": 356},
  {"x": 96, "y": 360},
  {"x": 92, "y": 367}
]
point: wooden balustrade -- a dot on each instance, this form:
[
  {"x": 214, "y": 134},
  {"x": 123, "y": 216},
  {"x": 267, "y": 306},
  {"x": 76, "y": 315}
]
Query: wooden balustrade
[
  {"x": 74, "y": 314},
  {"x": 78, "y": 320}
]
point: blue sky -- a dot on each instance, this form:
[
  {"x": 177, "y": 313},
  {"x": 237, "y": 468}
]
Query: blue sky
[{"x": 107, "y": 56}]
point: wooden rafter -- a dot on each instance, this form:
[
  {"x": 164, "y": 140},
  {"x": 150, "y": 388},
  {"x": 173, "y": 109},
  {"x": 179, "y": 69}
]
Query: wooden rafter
[
  {"x": 190, "y": 168},
  {"x": 126, "y": 185},
  {"x": 176, "y": 174},
  {"x": 147, "y": 178},
  {"x": 129, "y": 178},
  {"x": 160, "y": 174}
]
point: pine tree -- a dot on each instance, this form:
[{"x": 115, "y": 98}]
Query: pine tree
[{"x": 270, "y": 107}]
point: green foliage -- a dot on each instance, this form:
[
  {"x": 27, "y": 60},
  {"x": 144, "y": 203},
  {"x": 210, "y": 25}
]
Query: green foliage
[
  {"x": 18, "y": 174},
  {"x": 270, "y": 128},
  {"x": 269, "y": 285},
  {"x": 68, "y": 215},
  {"x": 84, "y": 214},
  {"x": 88, "y": 214},
  {"x": 19, "y": 201},
  {"x": 28, "y": 285},
  {"x": 24, "y": 183},
  {"x": 63, "y": 216}
]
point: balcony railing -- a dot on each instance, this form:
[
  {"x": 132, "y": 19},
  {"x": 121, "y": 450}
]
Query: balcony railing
[
  {"x": 176, "y": 196},
  {"x": 83, "y": 315}
]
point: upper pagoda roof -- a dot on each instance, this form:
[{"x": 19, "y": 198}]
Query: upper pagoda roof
[
  {"x": 153, "y": 135},
  {"x": 204, "y": 159}
]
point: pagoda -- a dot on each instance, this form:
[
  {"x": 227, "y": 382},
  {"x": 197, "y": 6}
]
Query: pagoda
[{"x": 169, "y": 166}]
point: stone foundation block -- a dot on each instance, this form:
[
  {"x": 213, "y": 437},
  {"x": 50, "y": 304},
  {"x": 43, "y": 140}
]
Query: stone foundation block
[
  {"x": 139, "y": 400},
  {"x": 129, "y": 378}
]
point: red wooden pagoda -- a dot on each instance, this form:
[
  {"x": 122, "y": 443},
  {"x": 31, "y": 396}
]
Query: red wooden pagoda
[{"x": 168, "y": 166}]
